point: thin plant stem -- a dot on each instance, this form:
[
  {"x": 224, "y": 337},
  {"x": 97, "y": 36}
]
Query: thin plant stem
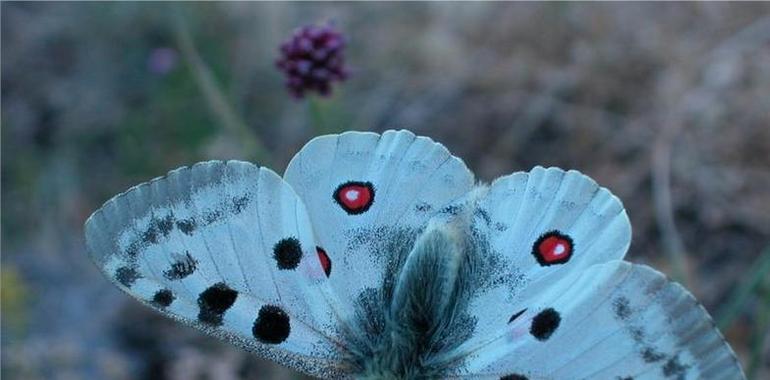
[
  {"x": 761, "y": 331},
  {"x": 317, "y": 119},
  {"x": 741, "y": 295},
  {"x": 664, "y": 209},
  {"x": 216, "y": 100}
]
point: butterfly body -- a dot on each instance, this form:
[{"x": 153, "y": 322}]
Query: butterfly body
[
  {"x": 378, "y": 256},
  {"x": 423, "y": 316}
]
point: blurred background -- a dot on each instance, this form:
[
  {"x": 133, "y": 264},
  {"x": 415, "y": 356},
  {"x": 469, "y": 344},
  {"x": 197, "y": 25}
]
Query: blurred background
[{"x": 668, "y": 105}]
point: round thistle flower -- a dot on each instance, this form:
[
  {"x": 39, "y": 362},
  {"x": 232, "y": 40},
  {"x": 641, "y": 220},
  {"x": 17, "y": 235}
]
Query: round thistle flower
[{"x": 312, "y": 59}]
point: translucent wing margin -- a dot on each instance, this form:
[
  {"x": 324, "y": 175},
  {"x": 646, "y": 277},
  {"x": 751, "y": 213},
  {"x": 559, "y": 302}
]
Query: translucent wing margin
[
  {"x": 613, "y": 321},
  {"x": 226, "y": 247}
]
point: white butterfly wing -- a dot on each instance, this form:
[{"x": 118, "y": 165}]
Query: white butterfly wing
[
  {"x": 550, "y": 306},
  {"x": 578, "y": 224},
  {"x": 226, "y": 247},
  {"x": 368, "y": 195},
  {"x": 612, "y": 321}
]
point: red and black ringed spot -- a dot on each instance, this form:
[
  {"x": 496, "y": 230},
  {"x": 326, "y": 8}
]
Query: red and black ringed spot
[
  {"x": 553, "y": 247},
  {"x": 355, "y": 197},
  {"x": 326, "y": 262}
]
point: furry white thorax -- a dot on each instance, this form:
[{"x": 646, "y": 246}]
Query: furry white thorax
[{"x": 429, "y": 297}]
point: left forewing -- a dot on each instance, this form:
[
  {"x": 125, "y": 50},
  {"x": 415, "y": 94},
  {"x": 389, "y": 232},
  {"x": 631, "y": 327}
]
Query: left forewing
[{"x": 225, "y": 247}]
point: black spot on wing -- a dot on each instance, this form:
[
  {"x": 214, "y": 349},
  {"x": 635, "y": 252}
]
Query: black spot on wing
[
  {"x": 212, "y": 216},
  {"x": 516, "y": 315},
  {"x": 451, "y": 210},
  {"x": 239, "y": 204},
  {"x": 162, "y": 298},
  {"x": 514, "y": 376},
  {"x": 621, "y": 307},
  {"x": 127, "y": 276},
  {"x": 165, "y": 225},
  {"x": 214, "y": 302},
  {"x": 272, "y": 325},
  {"x": 287, "y": 253},
  {"x": 158, "y": 227},
  {"x": 187, "y": 226},
  {"x": 650, "y": 355},
  {"x": 150, "y": 236},
  {"x": 133, "y": 249},
  {"x": 544, "y": 324},
  {"x": 423, "y": 207},
  {"x": 674, "y": 369},
  {"x": 181, "y": 268}
]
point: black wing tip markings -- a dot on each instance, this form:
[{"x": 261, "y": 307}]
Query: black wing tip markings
[
  {"x": 127, "y": 275},
  {"x": 187, "y": 226},
  {"x": 670, "y": 364},
  {"x": 100, "y": 224},
  {"x": 172, "y": 173},
  {"x": 118, "y": 213}
]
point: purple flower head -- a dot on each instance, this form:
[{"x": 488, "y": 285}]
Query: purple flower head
[
  {"x": 162, "y": 60},
  {"x": 312, "y": 59}
]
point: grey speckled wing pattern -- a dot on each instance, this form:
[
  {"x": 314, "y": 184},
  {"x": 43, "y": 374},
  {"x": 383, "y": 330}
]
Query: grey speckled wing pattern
[{"x": 376, "y": 256}]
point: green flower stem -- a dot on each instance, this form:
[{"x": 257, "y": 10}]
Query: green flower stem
[
  {"x": 316, "y": 113},
  {"x": 762, "y": 326},
  {"x": 739, "y": 298},
  {"x": 251, "y": 145}
]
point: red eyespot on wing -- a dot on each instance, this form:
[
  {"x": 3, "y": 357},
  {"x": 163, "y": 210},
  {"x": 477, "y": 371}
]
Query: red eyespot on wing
[
  {"x": 326, "y": 262},
  {"x": 553, "y": 248},
  {"x": 355, "y": 197}
]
